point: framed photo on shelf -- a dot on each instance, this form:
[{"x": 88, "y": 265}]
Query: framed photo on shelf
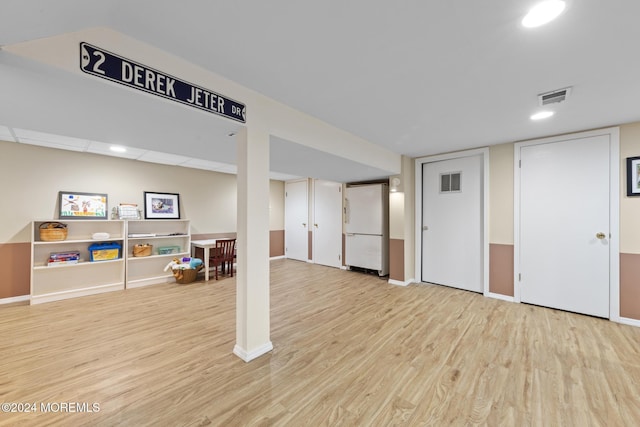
[
  {"x": 161, "y": 205},
  {"x": 77, "y": 205},
  {"x": 633, "y": 176}
]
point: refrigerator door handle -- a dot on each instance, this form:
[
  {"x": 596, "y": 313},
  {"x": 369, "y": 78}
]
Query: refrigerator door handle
[{"x": 347, "y": 211}]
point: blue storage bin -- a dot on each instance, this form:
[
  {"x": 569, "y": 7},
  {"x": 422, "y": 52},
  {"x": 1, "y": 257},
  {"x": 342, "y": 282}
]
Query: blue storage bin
[{"x": 105, "y": 251}]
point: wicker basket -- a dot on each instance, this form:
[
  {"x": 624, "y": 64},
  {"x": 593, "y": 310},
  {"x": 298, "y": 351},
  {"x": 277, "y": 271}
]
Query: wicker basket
[
  {"x": 142, "y": 250},
  {"x": 52, "y": 231},
  {"x": 188, "y": 275}
]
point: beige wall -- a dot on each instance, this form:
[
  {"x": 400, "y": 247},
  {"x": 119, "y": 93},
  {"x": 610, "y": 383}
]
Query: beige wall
[
  {"x": 401, "y": 202},
  {"x": 408, "y": 186},
  {"x": 501, "y": 194},
  {"x": 396, "y": 215},
  {"x": 33, "y": 175},
  {"x": 629, "y": 206},
  {"x": 276, "y": 205},
  {"x": 402, "y": 223}
]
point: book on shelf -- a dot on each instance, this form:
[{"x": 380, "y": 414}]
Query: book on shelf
[
  {"x": 63, "y": 258},
  {"x": 64, "y": 255}
]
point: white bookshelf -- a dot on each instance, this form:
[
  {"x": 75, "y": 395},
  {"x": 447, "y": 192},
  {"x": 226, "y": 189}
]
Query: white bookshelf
[
  {"x": 51, "y": 283},
  {"x": 161, "y": 233}
]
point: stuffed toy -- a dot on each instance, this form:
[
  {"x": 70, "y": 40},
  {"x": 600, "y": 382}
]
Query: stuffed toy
[
  {"x": 195, "y": 263},
  {"x": 174, "y": 264}
]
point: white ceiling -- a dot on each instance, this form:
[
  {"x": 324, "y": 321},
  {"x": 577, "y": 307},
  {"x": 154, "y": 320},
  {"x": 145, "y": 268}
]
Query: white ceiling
[{"x": 417, "y": 77}]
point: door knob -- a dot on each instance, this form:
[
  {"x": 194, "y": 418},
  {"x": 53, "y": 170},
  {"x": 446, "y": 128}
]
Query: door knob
[
  {"x": 600, "y": 235},
  {"x": 316, "y": 225},
  {"x": 304, "y": 224}
]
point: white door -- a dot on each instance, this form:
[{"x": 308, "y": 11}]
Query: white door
[
  {"x": 327, "y": 224},
  {"x": 564, "y": 225},
  {"x": 452, "y": 223},
  {"x": 296, "y": 219}
]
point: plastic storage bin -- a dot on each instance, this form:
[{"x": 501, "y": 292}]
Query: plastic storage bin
[
  {"x": 164, "y": 250},
  {"x": 104, "y": 251}
]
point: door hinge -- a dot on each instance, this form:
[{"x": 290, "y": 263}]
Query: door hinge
[
  {"x": 285, "y": 194},
  {"x": 519, "y": 277},
  {"x": 520, "y": 163}
]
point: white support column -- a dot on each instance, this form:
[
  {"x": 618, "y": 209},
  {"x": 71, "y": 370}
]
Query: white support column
[{"x": 252, "y": 283}]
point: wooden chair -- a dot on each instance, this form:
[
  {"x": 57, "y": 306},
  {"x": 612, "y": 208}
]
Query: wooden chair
[{"x": 223, "y": 255}]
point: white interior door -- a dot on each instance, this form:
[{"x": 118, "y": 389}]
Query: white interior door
[
  {"x": 296, "y": 220},
  {"x": 327, "y": 224},
  {"x": 452, "y": 223},
  {"x": 564, "y": 225}
]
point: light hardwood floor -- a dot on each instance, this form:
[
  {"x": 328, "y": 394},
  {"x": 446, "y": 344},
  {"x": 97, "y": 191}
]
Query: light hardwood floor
[{"x": 349, "y": 350}]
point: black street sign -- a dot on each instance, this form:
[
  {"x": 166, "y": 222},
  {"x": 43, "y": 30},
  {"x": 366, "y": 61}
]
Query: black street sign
[{"x": 104, "y": 64}]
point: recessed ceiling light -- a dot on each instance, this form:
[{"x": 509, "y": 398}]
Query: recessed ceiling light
[
  {"x": 543, "y": 12},
  {"x": 117, "y": 149},
  {"x": 542, "y": 115}
]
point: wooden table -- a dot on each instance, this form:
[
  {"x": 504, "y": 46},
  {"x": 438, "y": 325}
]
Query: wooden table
[{"x": 206, "y": 245}]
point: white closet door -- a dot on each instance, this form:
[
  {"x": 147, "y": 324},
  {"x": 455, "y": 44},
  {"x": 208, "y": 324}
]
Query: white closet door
[
  {"x": 327, "y": 224},
  {"x": 296, "y": 220},
  {"x": 452, "y": 223},
  {"x": 564, "y": 225}
]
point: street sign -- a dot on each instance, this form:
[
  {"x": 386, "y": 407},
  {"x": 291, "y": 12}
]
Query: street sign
[{"x": 104, "y": 64}]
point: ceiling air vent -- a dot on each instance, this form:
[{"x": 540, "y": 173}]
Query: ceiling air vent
[{"x": 554, "y": 97}]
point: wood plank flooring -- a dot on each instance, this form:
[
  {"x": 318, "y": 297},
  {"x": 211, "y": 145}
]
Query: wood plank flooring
[{"x": 349, "y": 350}]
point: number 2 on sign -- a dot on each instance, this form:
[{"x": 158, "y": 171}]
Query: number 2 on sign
[{"x": 96, "y": 65}]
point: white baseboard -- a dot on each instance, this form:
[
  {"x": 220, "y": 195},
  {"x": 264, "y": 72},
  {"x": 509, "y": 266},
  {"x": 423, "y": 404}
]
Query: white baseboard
[
  {"x": 628, "y": 321},
  {"x": 400, "y": 283},
  {"x": 499, "y": 296},
  {"x": 276, "y": 257},
  {"x": 11, "y": 300},
  {"x": 248, "y": 356},
  {"x": 56, "y": 296},
  {"x": 150, "y": 281}
]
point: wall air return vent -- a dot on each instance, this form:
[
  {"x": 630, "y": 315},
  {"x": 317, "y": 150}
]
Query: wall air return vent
[{"x": 554, "y": 97}]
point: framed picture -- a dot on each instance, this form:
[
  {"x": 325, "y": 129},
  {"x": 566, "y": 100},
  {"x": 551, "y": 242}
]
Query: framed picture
[
  {"x": 76, "y": 205},
  {"x": 161, "y": 205},
  {"x": 633, "y": 176}
]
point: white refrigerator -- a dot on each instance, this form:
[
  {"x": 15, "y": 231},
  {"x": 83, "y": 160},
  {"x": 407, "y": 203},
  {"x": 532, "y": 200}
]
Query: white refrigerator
[{"x": 366, "y": 213}]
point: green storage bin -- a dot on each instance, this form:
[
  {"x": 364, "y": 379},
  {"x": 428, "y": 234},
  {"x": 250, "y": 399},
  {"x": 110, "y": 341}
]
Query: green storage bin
[{"x": 165, "y": 250}]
